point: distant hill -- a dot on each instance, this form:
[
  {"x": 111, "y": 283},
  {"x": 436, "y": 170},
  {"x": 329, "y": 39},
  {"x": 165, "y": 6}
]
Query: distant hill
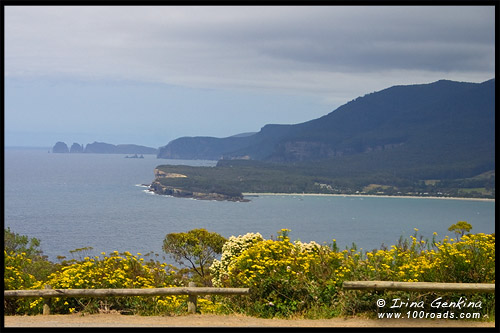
[
  {"x": 103, "y": 148},
  {"x": 204, "y": 147},
  {"x": 429, "y": 120},
  {"x": 237, "y": 146},
  {"x": 445, "y": 127},
  {"x": 106, "y": 148}
]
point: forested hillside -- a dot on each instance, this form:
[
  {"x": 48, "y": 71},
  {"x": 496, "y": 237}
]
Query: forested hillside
[{"x": 429, "y": 138}]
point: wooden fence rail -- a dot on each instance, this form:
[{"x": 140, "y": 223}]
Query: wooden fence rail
[
  {"x": 47, "y": 293},
  {"x": 419, "y": 286},
  {"x": 191, "y": 291}
]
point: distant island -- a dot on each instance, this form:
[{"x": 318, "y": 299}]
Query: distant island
[{"x": 104, "y": 148}]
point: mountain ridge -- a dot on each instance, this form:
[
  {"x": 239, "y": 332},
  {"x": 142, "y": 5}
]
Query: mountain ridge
[{"x": 387, "y": 119}]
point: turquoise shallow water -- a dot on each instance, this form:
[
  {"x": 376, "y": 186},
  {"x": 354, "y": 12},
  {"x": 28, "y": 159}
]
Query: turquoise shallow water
[{"x": 71, "y": 201}]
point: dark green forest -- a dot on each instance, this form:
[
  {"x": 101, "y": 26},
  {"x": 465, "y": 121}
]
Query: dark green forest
[{"x": 238, "y": 176}]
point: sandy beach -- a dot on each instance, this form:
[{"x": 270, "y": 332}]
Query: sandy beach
[{"x": 366, "y": 196}]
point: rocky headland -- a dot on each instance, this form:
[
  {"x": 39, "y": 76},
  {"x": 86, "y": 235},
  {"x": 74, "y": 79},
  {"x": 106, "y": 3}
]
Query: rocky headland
[{"x": 158, "y": 186}]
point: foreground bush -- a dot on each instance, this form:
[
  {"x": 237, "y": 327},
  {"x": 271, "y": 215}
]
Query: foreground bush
[
  {"x": 292, "y": 278},
  {"x": 24, "y": 266},
  {"x": 286, "y": 278},
  {"x": 195, "y": 249},
  {"x": 116, "y": 270}
]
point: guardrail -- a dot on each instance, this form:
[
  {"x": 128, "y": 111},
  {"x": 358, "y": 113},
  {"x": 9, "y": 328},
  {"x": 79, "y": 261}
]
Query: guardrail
[
  {"x": 191, "y": 291},
  {"x": 419, "y": 286}
]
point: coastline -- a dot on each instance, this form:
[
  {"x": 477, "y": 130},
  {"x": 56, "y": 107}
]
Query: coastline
[{"x": 365, "y": 196}]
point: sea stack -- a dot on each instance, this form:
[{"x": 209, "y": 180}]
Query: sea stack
[
  {"x": 76, "y": 148},
  {"x": 60, "y": 147}
]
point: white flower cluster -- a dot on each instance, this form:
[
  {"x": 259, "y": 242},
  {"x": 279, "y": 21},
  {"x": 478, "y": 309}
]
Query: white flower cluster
[
  {"x": 231, "y": 250},
  {"x": 312, "y": 246}
]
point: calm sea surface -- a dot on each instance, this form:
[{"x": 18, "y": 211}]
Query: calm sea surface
[{"x": 71, "y": 201}]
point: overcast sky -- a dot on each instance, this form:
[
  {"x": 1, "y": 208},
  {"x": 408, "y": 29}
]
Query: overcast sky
[{"x": 148, "y": 75}]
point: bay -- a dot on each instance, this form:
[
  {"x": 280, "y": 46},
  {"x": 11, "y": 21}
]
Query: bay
[{"x": 71, "y": 201}]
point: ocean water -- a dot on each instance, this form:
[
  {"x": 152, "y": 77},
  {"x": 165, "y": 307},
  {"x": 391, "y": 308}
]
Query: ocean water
[{"x": 71, "y": 201}]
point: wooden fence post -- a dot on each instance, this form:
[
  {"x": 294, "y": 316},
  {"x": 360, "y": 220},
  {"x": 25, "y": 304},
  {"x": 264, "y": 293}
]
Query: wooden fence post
[
  {"x": 192, "y": 300},
  {"x": 46, "y": 302}
]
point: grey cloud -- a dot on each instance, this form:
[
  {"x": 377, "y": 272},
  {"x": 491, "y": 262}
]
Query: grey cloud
[
  {"x": 248, "y": 46},
  {"x": 435, "y": 39}
]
